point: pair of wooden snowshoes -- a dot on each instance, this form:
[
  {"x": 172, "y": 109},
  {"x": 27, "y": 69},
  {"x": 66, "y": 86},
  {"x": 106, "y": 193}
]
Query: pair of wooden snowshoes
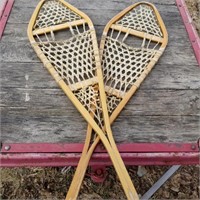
[{"x": 99, "y": 82}]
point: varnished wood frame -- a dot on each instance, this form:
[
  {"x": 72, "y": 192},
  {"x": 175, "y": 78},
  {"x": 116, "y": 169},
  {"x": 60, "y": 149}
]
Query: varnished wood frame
[
  {"x": 88, "y": 149},
  {"x": 163, "y": 42},
  {"x": 108, "y": 143}
]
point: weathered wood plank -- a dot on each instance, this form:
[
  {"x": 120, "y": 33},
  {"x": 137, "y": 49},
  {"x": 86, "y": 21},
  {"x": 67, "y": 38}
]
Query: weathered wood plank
[
  {"x": 95, "y": 4},
  {"x": 98, "y": 16},
  {"x": 23, "y": 52},
  {"x": 163, "y": 76},
  {"x": 34, "y": 109},
  {"x": 19, "y": 125},
  {"x": 15, "y": 75},
  {"x": 18, "y": 32},
  {"x": 156, "y": 128},
  {"x": 144, "y": 102}
]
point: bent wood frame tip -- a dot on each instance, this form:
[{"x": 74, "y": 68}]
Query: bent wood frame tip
[
  {"x": 126, "y": 10},
  {"x": 57, "y": 27}
]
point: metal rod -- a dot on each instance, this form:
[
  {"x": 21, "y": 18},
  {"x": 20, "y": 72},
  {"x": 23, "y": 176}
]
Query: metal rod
[{"x": 160, "y": 182}]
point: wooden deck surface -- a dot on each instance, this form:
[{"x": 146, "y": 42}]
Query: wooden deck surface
[{"x": 166, "y": 108}]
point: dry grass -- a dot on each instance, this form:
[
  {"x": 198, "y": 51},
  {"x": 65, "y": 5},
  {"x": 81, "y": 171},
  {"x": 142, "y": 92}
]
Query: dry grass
[{"x": 51, "y": 183}]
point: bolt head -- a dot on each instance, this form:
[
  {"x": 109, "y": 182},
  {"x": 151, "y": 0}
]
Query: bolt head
[
  {"x": 193, "y": 147},
  {"x": 7, "y": 147},
  {"x": 99, "y": 172}
]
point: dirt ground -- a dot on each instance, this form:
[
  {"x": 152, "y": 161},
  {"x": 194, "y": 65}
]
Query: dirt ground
[
  {"x": 52, "y": 183},
  {"x": 194, "y": 9}
]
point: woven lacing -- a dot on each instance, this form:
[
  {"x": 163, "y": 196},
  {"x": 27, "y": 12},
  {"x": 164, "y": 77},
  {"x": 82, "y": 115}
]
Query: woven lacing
[
  {"x": 74, "y": 61},
  {"x": 122, "y": 64},
  {"x": 141, "y": 18},
  {"x": 53, "y": 13}
]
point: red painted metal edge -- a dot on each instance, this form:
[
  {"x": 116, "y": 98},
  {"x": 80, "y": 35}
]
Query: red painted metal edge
[
  {"x": 46, "y": 154},
  {"x": 192, "y": 33},
  {"x": 100, "y": 159},
  {"x": 77, "y": 148},
  {"x": 5, "y": 16},
  {"x": 2, "y": 6}
]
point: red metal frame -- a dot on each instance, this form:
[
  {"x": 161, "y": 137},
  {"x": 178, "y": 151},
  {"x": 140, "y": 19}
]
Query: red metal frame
[
  {"x": 77, "y": 148},
  {"x": 5, "y": 14},
  {"x": 70, "y": 159},
  {"x": 2, "y": 6},
  {"x": 192, "y": 33},
  {"x": 45, "y": 154}
]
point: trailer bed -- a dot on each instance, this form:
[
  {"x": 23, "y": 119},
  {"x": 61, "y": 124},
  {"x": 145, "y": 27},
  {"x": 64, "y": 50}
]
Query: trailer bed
[{"x": 165, "y": 109}]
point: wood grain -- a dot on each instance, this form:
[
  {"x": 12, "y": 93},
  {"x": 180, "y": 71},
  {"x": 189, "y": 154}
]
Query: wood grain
[
  {"x": 22, "y": 52},
  {"x": 145, "y": 102},
  {"x": 36, "y": 125},
  {"x": 21, "y": 15},
  {"x": 94, "y": 4},
  {"x": 165, "y": 108},
  {"x": 163, "y": 76},
  {"x": 17, "y": 32}
]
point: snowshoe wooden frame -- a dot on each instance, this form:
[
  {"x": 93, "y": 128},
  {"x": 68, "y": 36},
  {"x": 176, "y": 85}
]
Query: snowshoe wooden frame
[
  {"x": 125, "y": 96},
  {"x": 38, "y": 29}
]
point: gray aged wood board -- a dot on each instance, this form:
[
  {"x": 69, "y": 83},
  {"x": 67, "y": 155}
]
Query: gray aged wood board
[{"x": 166, "y": 108}]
